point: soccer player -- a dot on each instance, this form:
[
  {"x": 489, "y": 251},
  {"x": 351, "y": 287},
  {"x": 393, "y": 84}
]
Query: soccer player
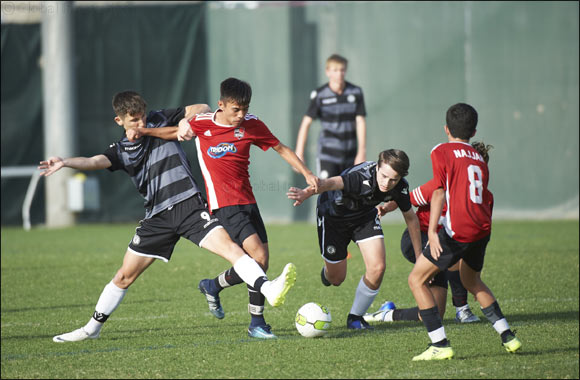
[
  {"x": 460, "y": 176},
  {"x": 346, "y": 210},
  {"x": 223, "y": 143},
  {"x": 420, "y": 197},
  {"x": 340, "y": 107},
  {"x": 174, "y": 207}
]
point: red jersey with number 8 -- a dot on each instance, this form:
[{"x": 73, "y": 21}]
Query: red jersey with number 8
[
  {"x": 461, "y": 171},
  {"x": 223, "y": 152}
]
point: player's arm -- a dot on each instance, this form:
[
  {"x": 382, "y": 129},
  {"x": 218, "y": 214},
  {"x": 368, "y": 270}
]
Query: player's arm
[
  {"x": 437, "y": 202},
  {"x": 300, "y": 195},
  {"x": 290, "y": 157},
  {"x": 414, "y": 230},
  {"x": 54, "y": 164},
  {"x": 165, "y": 133},
  {"x": 195, "y": 109},
  {"x": 361, "y": 136},
  {"x": 303, "y": 136},
  {"x": 170, "y": 132}
]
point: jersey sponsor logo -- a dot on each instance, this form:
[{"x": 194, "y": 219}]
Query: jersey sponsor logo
[
  {"x": 221, "y": 150},
  {"x": 329, "y": 100},
  {"x": 366, "y": 182},
  {"x": 239, "y": 132},
  {"x": 350, "y": 98},
  {"x": 405, "y": 191},
  {"x": 207, "y": 133}
]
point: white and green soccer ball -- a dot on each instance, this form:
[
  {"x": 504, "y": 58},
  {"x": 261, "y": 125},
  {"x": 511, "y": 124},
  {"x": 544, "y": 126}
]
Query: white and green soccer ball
[{"x": 313, "y": 320}]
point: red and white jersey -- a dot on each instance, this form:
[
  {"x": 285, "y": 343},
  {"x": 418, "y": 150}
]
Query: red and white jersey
[
  {"x": 421, "y": 198},
  {"x": 223, "y": 152},
  {"x": 462, "y": 172}
]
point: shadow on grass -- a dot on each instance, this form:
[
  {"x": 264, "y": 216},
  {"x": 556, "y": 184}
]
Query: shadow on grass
[
  {"x": 113, "y": 335},
  {"x": 522, "y": 352},
  {"x": 91, "y": 305}
]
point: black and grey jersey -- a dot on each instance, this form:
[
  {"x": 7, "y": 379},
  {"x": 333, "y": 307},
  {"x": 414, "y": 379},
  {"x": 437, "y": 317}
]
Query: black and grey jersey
[
  {"x": 158, "y": 168},
  {"x": 337, "y": 142},
  {"x": 361, "y": 194}
]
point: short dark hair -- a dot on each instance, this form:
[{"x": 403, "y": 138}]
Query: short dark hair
[
  {"x": 461, "y": 121},
  {"x": 233, "y": 89},
  {"x": 396, "y": 159},
  {"x": 128, "y": 103},
  {"x": 482, "y": 149}
]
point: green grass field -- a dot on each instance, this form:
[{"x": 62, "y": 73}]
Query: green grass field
[{"x": 51, "y": 280}]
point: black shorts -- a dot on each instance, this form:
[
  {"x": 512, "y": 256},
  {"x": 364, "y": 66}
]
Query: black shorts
[
  {"x": 334, "y": 234},
  {"x": 327, "y": 169},
  {"x": 440, "y": 278},
  {"x": 242, "y": 221},
  {"x": 156, "y": 237},
  {"x": 472, "y": 253}
]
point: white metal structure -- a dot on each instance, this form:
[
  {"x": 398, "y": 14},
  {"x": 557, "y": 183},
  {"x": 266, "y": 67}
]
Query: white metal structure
[{"x": 24, "y": 171}]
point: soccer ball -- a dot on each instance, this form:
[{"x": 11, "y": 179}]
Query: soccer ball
[{"x": 313, "y": 320}]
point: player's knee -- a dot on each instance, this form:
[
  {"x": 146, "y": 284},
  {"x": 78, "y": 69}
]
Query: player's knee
[
  {"x": 122, "y": 280},
  {"x": 413, "y": 281},
  {"x": 377, "y": 271},
  {"x": 263, "y": 261}
]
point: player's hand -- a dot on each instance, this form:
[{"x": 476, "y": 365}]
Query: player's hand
[
  {"x": 313, "y": 181},
  {"x": 50, "y": 166},
  {"x": 435, "y": 245},
  {"x": 133, "y": 134},
  {"x": 184, "y": 131},
  {"x": 299, "y": 195},
  {"x": 386, "y": 208}
]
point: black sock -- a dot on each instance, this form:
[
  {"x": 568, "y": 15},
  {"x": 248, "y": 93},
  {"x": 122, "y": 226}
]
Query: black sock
[
  {"x": 256, "y": 307},
  {"x": 506, "y": 334},
  {"x": 431, "y": 319},
  {"x": 493, "y": 312},
  {"x": 411, "y": 314},
  {"x": 226, "y": 279},
  {"x": 458, "y": 291}
]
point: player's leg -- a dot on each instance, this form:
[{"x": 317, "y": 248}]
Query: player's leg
[
  {"x": 463, "y": 312},
  {"x": 425, "y": 268},
  {"x": 245, "y": 226},
  {"x": 153, "y": 239},
  {"x": 110, "y": 298},
  {"x": 392, "y": 314},
  {"x": 368, "y": 234},
  {"x": 373, "y": 253},
  {"x": 218, "y": 241},
  {"x": 206, "y": 231},
  {"x": 418, "y": 279},
  {"x": 470, "y": 270}
]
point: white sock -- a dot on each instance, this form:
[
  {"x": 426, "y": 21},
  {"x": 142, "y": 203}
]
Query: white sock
[
  {"x": 501, "y": 326},
  {"x": 110, "y": 298},
  {"x": 460, "y": 308},
  {"x": 437, "y": 335},
  {"x": 363, "y": 298},
  {"x": 248, "y": 270}
]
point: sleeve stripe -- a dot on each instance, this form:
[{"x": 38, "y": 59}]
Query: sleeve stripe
[{"x": 420, "y": 200}]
